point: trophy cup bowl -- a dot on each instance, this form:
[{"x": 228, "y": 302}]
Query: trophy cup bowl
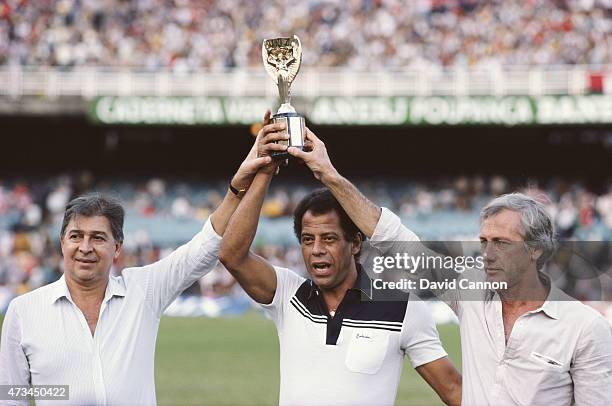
[{"x": 282, "y": 58}]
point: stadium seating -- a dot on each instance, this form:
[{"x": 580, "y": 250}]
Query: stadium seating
[{"x": 359, "y": 35}]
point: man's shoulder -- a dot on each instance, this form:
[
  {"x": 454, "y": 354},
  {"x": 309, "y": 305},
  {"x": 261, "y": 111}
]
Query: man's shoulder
[
  {"x": 575, "y": 313},
  {"x": 131, "y": 273},
  {"x": 38, "y": 296},
  {"x": 286, "y": 275}
]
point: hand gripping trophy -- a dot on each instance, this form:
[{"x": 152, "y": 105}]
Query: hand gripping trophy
[{"x": 282, "y": 58}]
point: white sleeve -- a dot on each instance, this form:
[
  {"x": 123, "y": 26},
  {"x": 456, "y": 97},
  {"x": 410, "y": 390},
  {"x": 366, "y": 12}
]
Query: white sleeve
[
  {"x": 14, "y": 367},
  {"x": 419, "y": 337},
  {"x": 384, "y": 241},
  {"x": 390, "y": 237},
  {"x": 287, "y": 283},
  {"x": 167, "y": 278},
  {"x": 390, "y": 228}
]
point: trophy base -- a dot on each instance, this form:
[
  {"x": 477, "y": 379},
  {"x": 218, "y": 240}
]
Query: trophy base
[{"x": 295, "y": 127}]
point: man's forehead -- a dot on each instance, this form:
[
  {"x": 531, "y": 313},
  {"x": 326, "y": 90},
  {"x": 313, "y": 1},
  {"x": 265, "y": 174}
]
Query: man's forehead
[
  {"x": 506, "y": 223},
  {"x": 91, "y": 224},
  {"x": 320, "y": 222}
]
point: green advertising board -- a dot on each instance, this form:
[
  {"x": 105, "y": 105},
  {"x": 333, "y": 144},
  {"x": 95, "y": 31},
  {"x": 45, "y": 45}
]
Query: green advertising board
[
  {"x": 432, "y": 110},
  {"x": 485, "y": 110},
  {"x": 178, "y": 110}
]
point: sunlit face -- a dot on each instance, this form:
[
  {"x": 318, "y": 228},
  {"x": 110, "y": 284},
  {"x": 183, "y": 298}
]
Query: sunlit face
[
  {"x": 89, "y": 249},
  {"x": 328, "y": 256},
  {"x": 503, "y": 247}
]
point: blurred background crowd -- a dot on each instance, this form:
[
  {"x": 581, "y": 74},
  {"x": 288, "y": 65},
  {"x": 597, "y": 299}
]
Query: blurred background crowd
[
  {"x": 353, "y": 35},
  {"x": 189, "y": 35},
  {"x": 163, "y": 213}
]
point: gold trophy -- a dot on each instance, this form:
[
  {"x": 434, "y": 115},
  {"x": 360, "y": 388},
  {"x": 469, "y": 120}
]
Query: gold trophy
[{"x": 282, "y": 58}]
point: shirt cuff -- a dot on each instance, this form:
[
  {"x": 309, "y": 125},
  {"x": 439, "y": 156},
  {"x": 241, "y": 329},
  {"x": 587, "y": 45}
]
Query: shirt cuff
[
  {"x": 209, "y": 231},
  {"x": 426, "y": 357},
  {"x": 386, "y": 224}
]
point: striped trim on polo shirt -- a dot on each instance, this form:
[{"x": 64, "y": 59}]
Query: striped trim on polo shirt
[
  {"x": 376, "y": 324},
  {"x": 356, "y": 310},
  {"x": 304, "y": 312}
]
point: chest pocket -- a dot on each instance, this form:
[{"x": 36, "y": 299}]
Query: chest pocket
[
  {"x": 547, "y": 374},
  {"x": 367, "y": 350}
]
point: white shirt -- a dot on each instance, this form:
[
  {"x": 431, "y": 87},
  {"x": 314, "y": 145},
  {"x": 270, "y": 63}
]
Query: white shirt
[
  {"x": 357, "y": 357},
  {"x": 46, "y": 339},
  {"x": 557, "y": 354}
]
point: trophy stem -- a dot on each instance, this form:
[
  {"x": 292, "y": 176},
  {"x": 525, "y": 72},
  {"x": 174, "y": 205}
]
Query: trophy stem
[{"x": 284, "y": 90}]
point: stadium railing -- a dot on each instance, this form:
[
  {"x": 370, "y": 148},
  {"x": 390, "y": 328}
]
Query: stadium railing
[{"x": 88, "y": 82}]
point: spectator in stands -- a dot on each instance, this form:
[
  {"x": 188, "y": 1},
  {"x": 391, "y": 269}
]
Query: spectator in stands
[
  {"x": 186, "y": 35},
  {"x": 415, "y": 201}
]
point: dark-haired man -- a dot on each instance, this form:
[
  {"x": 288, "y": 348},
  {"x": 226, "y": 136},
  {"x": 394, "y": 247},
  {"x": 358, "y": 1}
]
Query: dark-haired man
[
  {"x": 339, "y": 344},
  {"x": 526, "y": 344},
  {"x": 95, "y": 332}
]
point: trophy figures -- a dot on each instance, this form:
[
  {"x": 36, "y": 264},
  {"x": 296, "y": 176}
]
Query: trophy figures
[{"x": 282, "y": 58}]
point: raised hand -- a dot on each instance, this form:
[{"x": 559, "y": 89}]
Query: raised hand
[
  {"x": 314, "y": 156},
  {"x": 259, "y": 155}
]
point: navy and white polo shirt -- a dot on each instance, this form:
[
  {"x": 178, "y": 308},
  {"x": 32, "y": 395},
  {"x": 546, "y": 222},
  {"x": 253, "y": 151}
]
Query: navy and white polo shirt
[{"x": 354, "y": 358}]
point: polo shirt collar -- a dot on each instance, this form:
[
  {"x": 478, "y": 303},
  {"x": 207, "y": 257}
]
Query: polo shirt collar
[
  {"x": 551, "y": 304},
  {"x": 362, "y": 284},
  {"x": 115, "y": 287}
]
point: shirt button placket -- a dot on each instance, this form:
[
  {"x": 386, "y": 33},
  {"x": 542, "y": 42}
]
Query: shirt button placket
[
  {"x": 98, "y": 377},
  {"x": 97, "y": 368},
  {"x": 497, "y": 386}
]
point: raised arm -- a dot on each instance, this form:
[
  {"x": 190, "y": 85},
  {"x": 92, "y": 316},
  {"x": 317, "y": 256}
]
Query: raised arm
[
  {"x": 253, "y": 273},
  {"x": 241, "y": 181},
  {"x": 167, "y": 278},
  {"x": 388, "y": 235},
  {"x": 364, "y": 213}
]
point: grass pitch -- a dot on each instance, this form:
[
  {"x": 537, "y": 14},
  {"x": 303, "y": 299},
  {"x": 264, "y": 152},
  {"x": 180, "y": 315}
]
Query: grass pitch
[{"x": 235, "y": 361}]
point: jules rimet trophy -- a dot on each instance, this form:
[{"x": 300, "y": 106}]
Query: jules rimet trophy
[{"x": 282, "y": 58}]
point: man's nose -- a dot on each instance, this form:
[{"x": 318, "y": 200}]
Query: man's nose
[
  {"x": 85, "y": 245},
  {"x": 318, "y": 248},
  {"x": 488, "y": 252}
]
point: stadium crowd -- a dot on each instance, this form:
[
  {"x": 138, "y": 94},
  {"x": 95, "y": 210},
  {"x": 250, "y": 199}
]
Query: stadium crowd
[
  {"x": 30, "y": 214},
  {"x": 189, "y": 35}
]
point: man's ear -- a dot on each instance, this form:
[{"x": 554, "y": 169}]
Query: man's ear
[
  {"x": 356, "y": 243},
  {"x": 536, "y": 253},
  {"x": 118, "y": 247}
]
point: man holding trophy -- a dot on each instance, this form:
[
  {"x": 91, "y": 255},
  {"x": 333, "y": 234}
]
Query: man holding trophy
[{"x": 338, "y": 344}]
